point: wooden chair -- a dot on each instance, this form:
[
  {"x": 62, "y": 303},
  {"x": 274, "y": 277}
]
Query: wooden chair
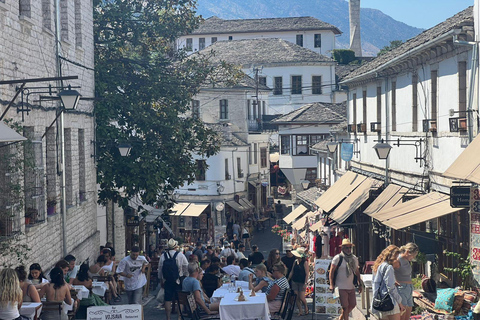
[
  {"x": 146, "y": 288},
  {"x": 192, "y": 304},
  {"x": 108, "y": 294},
  {"x": 280, "y": 314},
  {"x": 53, "y": 307},
  {"x": 37, "y": 315},
  {"x": 71, "y": 314},
  {"x": 182, "y": 300},
  {"x": 290, "y": 307}
]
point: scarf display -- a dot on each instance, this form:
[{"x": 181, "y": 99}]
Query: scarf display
[{"x": 349, "y": 259}]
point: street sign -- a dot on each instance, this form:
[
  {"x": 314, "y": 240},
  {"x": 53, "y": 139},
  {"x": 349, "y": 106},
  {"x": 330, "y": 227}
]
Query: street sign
[
  {"x": 460, "y": 197},
  {"x": 129, "y": 311},
  {"x": 133, "y": 221}
]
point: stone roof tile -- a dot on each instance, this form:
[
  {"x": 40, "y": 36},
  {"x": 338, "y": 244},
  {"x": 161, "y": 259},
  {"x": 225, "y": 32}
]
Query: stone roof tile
[{"x": 316, "y": 113}]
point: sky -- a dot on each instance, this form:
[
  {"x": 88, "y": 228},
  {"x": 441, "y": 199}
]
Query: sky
[{"x": 418, "y": 13}]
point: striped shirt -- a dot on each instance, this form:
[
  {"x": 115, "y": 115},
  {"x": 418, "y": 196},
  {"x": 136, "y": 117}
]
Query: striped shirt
[{"x": 282, "y": 283}]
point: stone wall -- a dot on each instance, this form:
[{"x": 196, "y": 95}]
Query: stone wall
[{"x": 28, "y": 51}]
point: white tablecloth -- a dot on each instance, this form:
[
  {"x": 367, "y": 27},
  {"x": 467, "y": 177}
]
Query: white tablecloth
[
  {"x": 254, "y": 308},
  {"x": 28, "y": 309},
  {"x": 65, "y": 307},
  {"x": 82, "y": 292},
  {"x": 99, "y": 288},
  {"x": 218, "y": 295}
]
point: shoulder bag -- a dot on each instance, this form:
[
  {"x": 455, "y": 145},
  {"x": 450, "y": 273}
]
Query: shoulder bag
[{"x": 384, "y": 303}]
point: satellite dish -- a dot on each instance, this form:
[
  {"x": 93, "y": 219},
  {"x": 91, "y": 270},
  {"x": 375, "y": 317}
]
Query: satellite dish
[{"x": 219, "y": 206}]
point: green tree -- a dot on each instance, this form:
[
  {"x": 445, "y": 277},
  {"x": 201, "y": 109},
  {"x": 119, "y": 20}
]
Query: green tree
[
  {"x": 393, "y": 44},
  {"x": 144, "y": 87},
  {"x": 343, "y": 56}
]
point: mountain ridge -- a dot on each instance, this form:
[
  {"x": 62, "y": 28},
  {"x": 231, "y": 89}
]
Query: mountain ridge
[{"x": 377, "y": 28}]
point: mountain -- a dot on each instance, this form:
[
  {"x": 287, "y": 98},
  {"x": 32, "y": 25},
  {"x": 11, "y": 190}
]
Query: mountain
[{"x": 377, "y": 28}]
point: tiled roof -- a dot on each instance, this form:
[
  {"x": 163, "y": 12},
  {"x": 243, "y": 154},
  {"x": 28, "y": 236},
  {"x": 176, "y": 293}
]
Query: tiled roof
[
  {"x": 310, "y": 195},
  {"x": 215, "y": 25},
  {"x": 462, "y": 18},
  {"x": 316, "y": 113},
  {"x": 245, "y": 82},
  {"x": 260, "y": 51},
  {"x": 321, "y": 146},
  {"x": 227, "y": 137}
]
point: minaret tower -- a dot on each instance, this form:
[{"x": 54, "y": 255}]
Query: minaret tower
[{"x": 355, "y": 43}]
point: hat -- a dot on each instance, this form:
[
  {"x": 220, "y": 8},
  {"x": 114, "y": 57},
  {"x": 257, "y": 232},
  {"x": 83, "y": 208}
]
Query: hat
[
  {"x": 346, "y": 242},
  {"x": 172, "y": 243},
  {"x": 288, "y": 247},
  {"x": 226, "y": 244},
  {"x": 299, "y": 253}
]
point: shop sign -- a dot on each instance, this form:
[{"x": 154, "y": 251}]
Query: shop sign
[
  {"x": 133, "y": 221},
  {"x": 460, "y": 197},
  {"x": 129, "y": 311},
  {"x": 475, "y": 231}
]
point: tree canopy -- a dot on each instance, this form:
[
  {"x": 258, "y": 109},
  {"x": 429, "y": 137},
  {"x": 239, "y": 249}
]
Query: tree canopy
[
  {"x": 393, "y": 44},
  {"x": 144, "y": 89}
]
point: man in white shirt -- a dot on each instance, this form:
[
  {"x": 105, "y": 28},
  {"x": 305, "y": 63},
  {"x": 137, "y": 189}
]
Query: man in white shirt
[
  {"x": 227, "y": 251},
  {"x": 132, "y": 268},
  {"x": 231, "y": 268},
  {"x": 171, "y": 283},
  {"x": 240, "y": 252}
]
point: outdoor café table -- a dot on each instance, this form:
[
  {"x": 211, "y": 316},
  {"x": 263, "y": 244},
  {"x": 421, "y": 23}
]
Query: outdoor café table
[
  {"x": 218, "y": 294},
  {"x": 82, "y": 292},
  {"x": 99, "y": 288},
  {"x": 65, "y": 307},
  {"x": 253, "y": 308},
  {"x": 30, "y": 309}
]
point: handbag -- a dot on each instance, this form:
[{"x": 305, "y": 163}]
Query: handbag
[{"x": 384, "y": 303}]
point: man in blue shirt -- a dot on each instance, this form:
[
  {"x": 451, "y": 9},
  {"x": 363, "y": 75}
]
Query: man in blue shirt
[{"x": 192, "y": 284}]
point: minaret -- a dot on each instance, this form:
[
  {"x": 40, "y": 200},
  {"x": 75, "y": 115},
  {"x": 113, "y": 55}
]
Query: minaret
[{"x": 355, "y": 43}]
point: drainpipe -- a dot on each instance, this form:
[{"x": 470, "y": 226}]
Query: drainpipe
[
  {"x": 61, "y": 129},
  {"x": 387, "y": 128}
]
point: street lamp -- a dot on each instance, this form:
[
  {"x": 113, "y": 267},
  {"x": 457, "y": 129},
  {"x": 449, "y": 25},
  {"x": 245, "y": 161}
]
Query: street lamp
[
  {"x": 305, "y": 184},
  {"x": 332, "y": 146},
  {"x": 382, "y": 149},
  {"x": 124, "y": 149},
  {"x": 70, "y": 98}
]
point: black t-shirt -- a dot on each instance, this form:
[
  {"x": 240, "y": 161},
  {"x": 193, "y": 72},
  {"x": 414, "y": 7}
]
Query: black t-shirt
[
  {"x": 210, "y": 283},
  {"x": 198, "y": 253},
  {"x": 236, "y": 243},
  {"x": 256, "y": 258},
  {"x": 288, "y": 262}
]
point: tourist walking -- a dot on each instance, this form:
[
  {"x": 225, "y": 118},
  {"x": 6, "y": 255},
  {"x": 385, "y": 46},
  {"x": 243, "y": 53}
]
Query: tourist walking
[
  {"x": 288, "y": 259},
  {"x": 384, "y": 283},
  {"x": 403, "y": 276},
  {"x": 132, "y": 268},
  {"x": 347, "y": 264},
  {"x": 273, "y": 259},
  {"x": 299, "y": 278}
]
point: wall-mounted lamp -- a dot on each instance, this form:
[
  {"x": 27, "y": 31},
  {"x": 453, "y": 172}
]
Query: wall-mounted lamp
[
  {"x": 124, "y": 149},
  {"x": 70, "y": 98},
  {"x": 305, "y": 184},
  {"x": 383, "y": 148},
  {"x": 332, "y": 146}
]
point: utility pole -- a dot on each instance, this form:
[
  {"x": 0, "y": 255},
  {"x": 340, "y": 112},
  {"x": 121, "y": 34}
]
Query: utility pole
[{"x": 256, "y": 102}]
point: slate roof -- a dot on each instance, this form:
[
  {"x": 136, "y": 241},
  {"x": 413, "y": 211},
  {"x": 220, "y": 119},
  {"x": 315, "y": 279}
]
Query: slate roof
[
  {"x": 215, "y": 25},
  {"x": 226, "y": 139},
  {"x": 317, "y": 112},
  {"x": 462, "y": 18},
  {"x": 310, "y": 195},
  {"x": 261, "y": 51},
  {"x": 245, "y": 82}
]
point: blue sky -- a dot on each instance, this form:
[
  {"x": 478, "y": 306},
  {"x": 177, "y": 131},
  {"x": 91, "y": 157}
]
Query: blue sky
[{"x": 418, "y": 13}]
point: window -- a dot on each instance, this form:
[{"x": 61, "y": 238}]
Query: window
[
  {"x": 201, "y": 169},
  {"x": 230, "y": 38},
  {"x": 264, "y": 108},
  {"x": 189, "y": 45},
  {"x": 414, "y": 103},
  {"x": 249, "y": 112},
  {"x": 285, "y": 144},
  {"x": 51, "y": 164},
  {"x": 354, "y": 111},
  {"x": 78, "y": 23},
  {"x": 25, "y": 8},
  {"x": 223, "y": 109},
  {"x": 364, "y": 93},
  {"x": 302, "y": 144},
  {"x": 434, "y": 80},
  {"x": 196, "y": 109},
  {"x": 201, "y": 43},
  {"x": 262, "y": 80},
  {"x": 317, "y": 40},
  {"x": 311, "y": 174},
  {"x": 254, "y": 108},
  {"x": 316, "y": 85},
  {"x": 314, "y": 139},
  {"x": 64, "y": 20},
  {"x": 296, "y": 84},
  {"x": 394, "y": 106},
  {"x": 255, "y": 153},
  {"x": 250, "y": 154},
  {"x": 47, "y": 14},
  {"x": 278, "y": 83},
  {"x": 263, "y": 157},
  {"x": 462, "y": 88},
  {"x": 227, "y": 173},
  {"x": 214, "y": 39},
  {"x": 239, "y": 168},
  {"x": 300, "y": 40},
  {"x": 82, "y": 187},
  {"x": 379, "y": 104}
]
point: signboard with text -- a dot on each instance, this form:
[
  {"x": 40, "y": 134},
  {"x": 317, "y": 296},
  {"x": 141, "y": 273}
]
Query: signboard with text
[
  {"x": 475, "y": 231},
  {"x": 117, "y": 312},
  {"x": 324, "y": 301},
  {"x": 460, "y": 197}
]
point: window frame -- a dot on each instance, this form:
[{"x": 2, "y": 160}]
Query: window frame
[
  {"x": 189, "y": 44},
  {"x": 277, "y": 90},
  {"x": 316, "y": 87},
  {"x": 223, "y": 109},
  {"x": 317, "y": 40},
  {"x": 263, "y": 157},
  {"x": 295, "y": 89},
  {"x": 299, "y": 40},
  {"x": 201, "y": 44},
  {"x": 201, "y": 171},
  {"x": 285, "y": 144}
]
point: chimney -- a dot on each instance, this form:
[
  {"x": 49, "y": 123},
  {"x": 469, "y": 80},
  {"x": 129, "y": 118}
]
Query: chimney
[{"x": 355, "y": 44}]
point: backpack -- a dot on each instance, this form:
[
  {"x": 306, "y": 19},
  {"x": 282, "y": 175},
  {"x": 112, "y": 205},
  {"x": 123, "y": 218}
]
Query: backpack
[
  {"x": 355, "y": 280},
  {"x": 170, "y": 268}
]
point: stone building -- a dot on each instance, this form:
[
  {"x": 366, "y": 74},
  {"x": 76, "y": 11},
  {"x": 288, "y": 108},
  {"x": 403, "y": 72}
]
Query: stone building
[{"x": 33, "y": 213}]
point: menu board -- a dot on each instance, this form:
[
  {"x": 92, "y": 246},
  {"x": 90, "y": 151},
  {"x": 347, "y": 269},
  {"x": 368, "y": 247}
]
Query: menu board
[
  {"x": 475, "y": 231},
  {"x": 117, "y": 312},
  {"x": 324, "y": 301}
]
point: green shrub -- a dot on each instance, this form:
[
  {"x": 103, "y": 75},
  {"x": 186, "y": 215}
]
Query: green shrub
[{"x": 343, "y": 56}]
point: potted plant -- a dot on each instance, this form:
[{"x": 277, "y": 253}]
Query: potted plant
[
  {"x": 31, "y": 215},
  {"x": 51, "y": 206}
]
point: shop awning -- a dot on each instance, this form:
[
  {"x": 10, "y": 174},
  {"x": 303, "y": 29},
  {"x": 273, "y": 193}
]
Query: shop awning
[
  {"x": 294, "y": 214},
  {"x": 301, "y": 223},
  {"x": 355, "y": 200},
  {"x": 339, "y": 190},
  {"x": 7, "y": 134},
  {"x": 316, "y": 226},
  {"x": 303, "y": 233},
  {"x": 178, "y": 208},
  {"x": 391, "y": 196},
  {"x": 423, "y": 208},
  {"x": 246, "y": 203},
  {"x": 194, "y": 210},
  {"x": 467, "y": 165},
  {"x": 235, "y": 205}
]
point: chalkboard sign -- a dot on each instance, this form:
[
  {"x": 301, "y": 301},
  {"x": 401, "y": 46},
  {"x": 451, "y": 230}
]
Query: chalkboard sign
[
  {"x": 117, "y": 312},
  {"x": 270, "y": 201}
]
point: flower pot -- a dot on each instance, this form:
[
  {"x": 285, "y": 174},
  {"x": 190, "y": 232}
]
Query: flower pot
[{"x": 51, "y": 210}]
